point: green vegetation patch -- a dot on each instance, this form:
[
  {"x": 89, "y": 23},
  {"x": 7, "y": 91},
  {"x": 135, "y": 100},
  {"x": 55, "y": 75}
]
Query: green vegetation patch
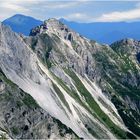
[
  {"x": 72, "y": 93},
  {"x": 126, "y": 115},
  {"x": 124, "y": 89},
  {"x": 63, "y": 127},
  {"x": 7, "y": 81},
  {"x": 89, "y": 99},
  {"x": 15, "y": 130},
  {"x": 29, "y": 101},
  {"x": 61, "y": 96}
]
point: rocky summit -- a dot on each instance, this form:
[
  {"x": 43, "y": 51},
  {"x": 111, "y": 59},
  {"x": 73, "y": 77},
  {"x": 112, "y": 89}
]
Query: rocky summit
[{"x": 58, "y": 84}]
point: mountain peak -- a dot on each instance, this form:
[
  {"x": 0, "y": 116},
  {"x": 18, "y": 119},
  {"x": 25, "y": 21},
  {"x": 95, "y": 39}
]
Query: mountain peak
[
  {"x": 19, "y": 19},
  {"x": 53, "y": 26},
  {"x": 48, "y": 26},
  {"x": 52, "y": 20},
  {"x": 53, "y": 23},
  {"x": 21, "y": 23},
  {"x": 19, "y": 15},
  {"x": 127, "y": 42}
]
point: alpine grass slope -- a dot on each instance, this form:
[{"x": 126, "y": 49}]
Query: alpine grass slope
[{"x": 89, "y": 90}]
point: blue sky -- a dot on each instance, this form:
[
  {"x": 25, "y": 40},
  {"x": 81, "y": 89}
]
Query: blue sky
[{"x": 78, "y": 10}]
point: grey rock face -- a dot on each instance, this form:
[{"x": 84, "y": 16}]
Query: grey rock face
[
  {"x": 88, "y": 86},
  {"x": 97, "y": 61},
  {"x": 21, "y": 117},
  {"x": 21, "y": 122}
]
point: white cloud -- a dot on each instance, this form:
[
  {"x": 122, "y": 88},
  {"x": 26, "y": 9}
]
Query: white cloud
[
  {"x": 13, "y": 7},
  {"x": 37, "y": 8},
  {"x": 60, "y": 4},
  {"x": 129, "y": 15},
  {"x": 71, "y": 10},
  {"x": 80, "y": 17}
]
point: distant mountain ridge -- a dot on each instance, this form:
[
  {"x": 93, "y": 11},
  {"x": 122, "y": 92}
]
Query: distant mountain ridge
[
  {"x": 104, "y": 32},
  {"x": 21, "y": 23}
]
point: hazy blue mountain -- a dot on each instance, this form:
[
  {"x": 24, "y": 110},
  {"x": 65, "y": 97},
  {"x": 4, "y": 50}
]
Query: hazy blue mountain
[
  {"x": 106, "y": 32},
  {"x": 21, "y": 23}
]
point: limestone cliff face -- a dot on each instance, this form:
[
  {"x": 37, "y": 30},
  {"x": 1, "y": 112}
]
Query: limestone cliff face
[
  {"x": 92, "y": 89},
  {"x": 114, "y": 68},
  {"x": 21, "y": 116}
]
